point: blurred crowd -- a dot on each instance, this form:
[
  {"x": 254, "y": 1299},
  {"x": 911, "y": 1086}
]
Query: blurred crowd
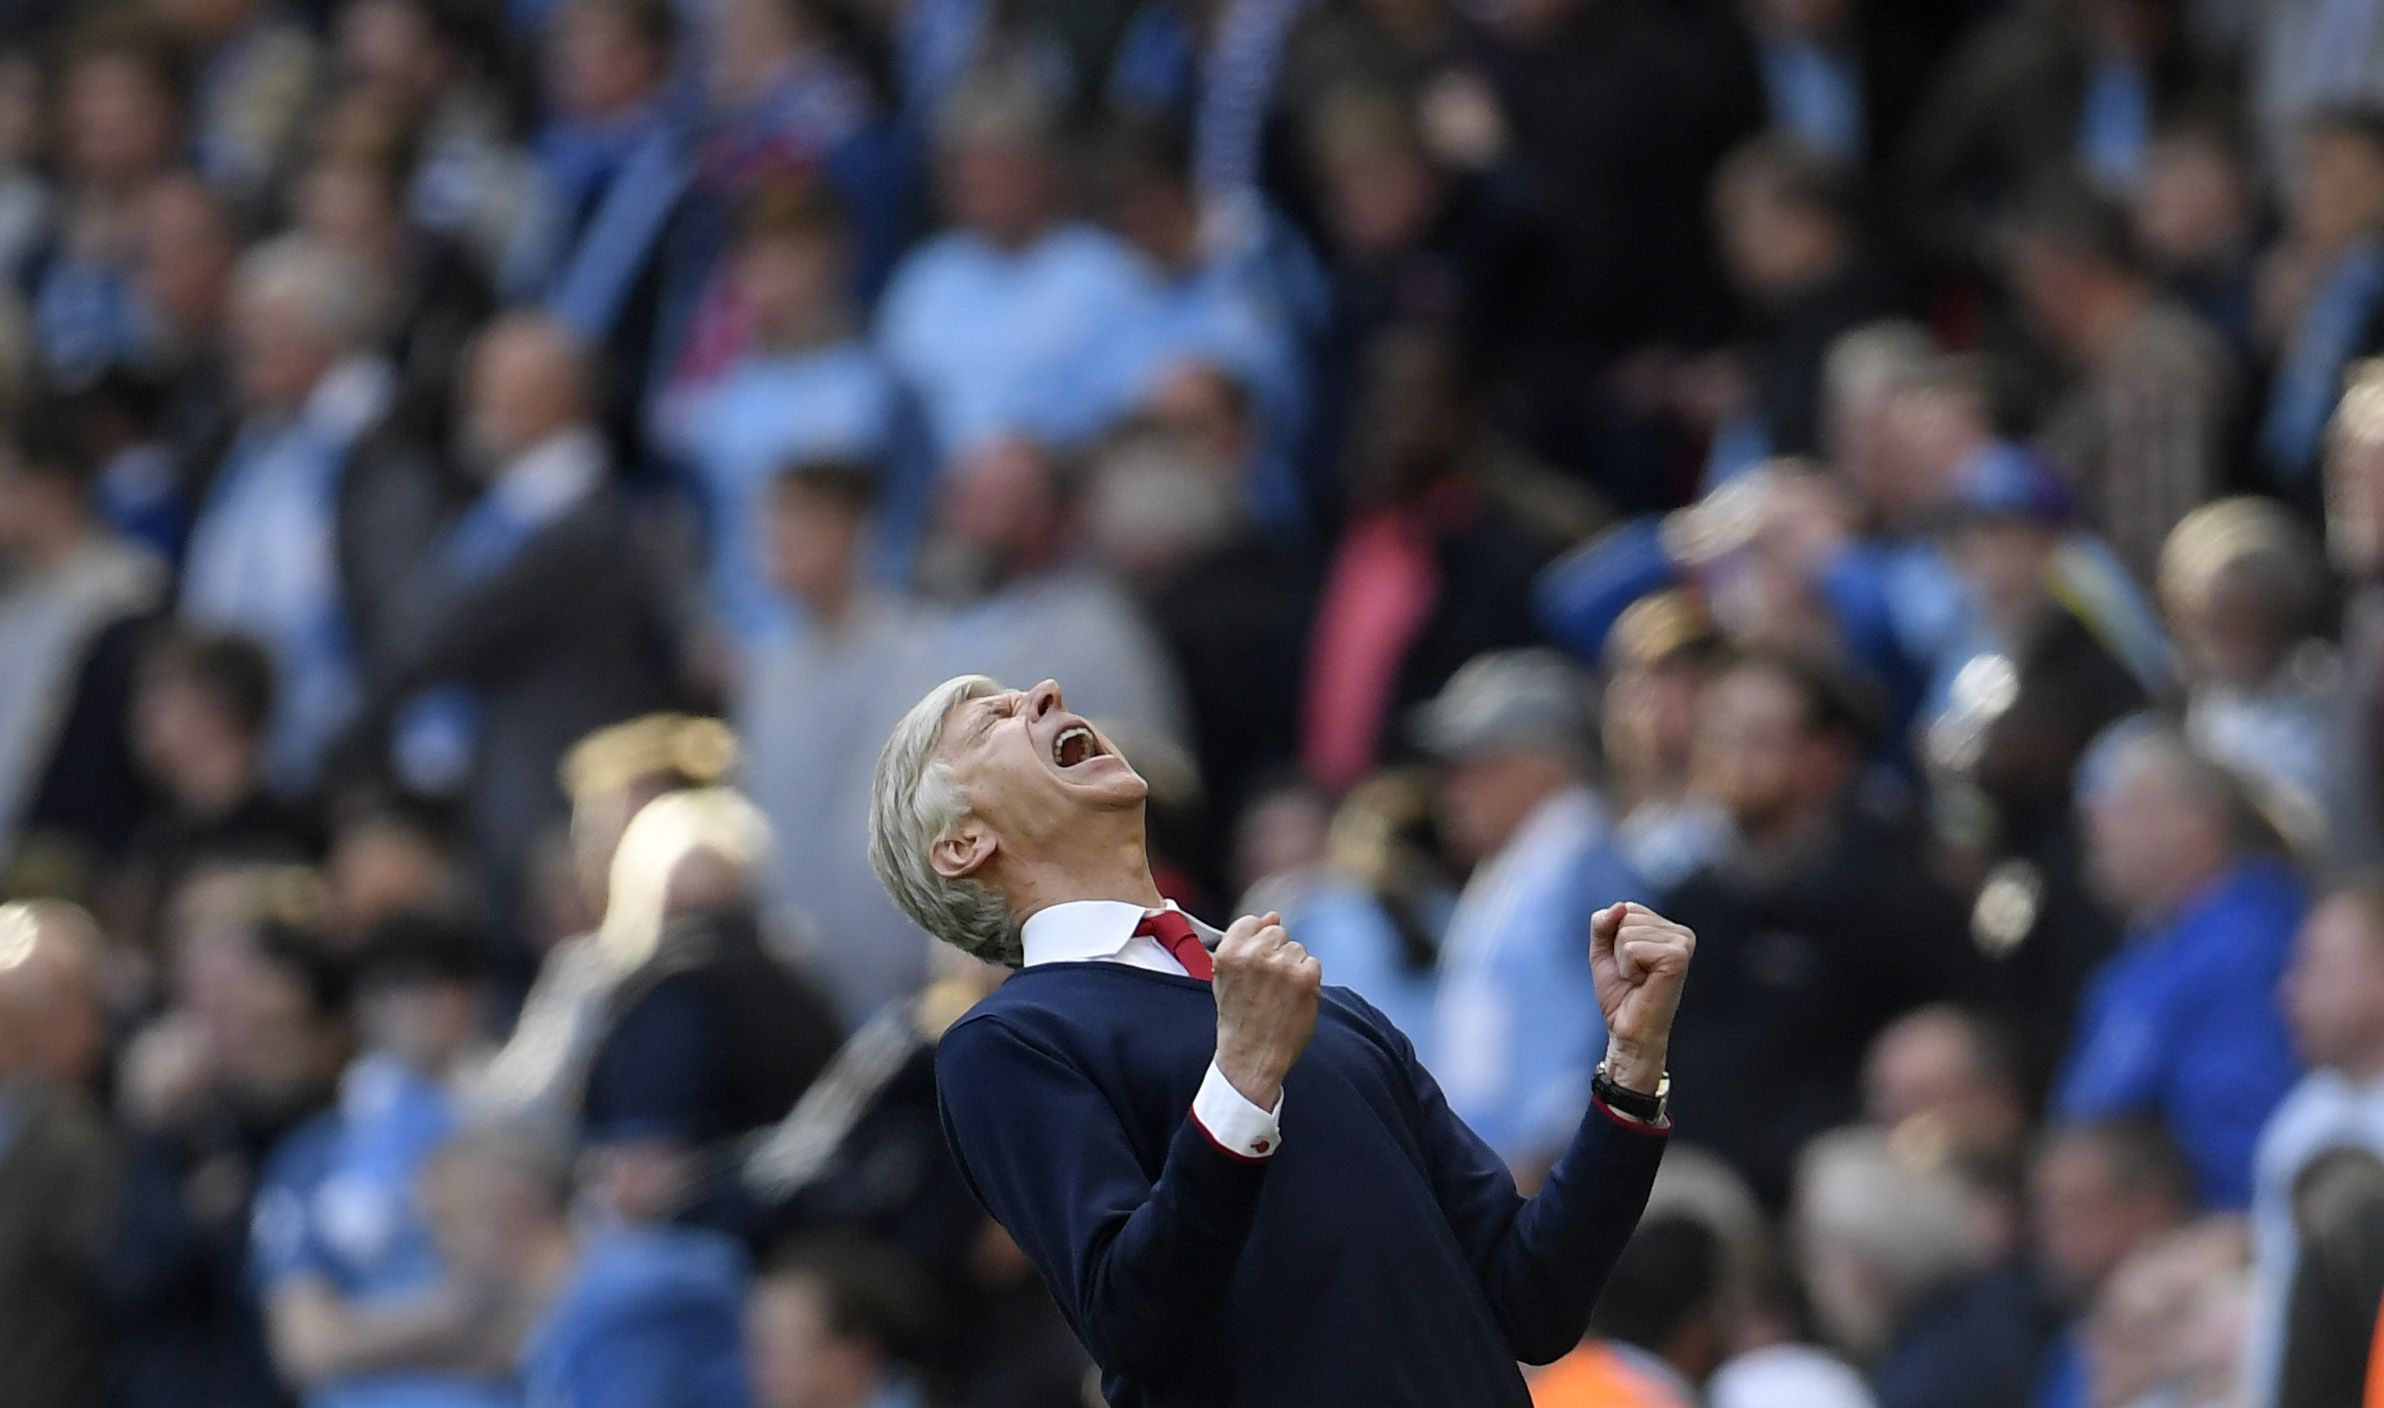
[{"x": 1897, "y": 486}]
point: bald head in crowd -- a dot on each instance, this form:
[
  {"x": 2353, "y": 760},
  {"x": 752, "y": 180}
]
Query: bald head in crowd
[
  {"x": 52, "y": 1020},
  {"x": 528, "y": 382}
]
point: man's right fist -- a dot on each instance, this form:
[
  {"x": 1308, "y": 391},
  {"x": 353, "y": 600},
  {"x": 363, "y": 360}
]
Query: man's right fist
[{"x": 1266, "y": 1006}]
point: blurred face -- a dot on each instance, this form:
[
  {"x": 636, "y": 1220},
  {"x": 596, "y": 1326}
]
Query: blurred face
[
  {"x": 186, "y": 257},
  {"x": 1753, "y": 754},
  {"x": 2141, "y": 830},
  {"x": 1280, "y": 833},
  {"x": 522, "y": 390},
  {"x": 1485, "y": 799},
  {"x": 601, "y": 68},
  {"x": 1158, "y": 218},
  {"x": 277, "y": 355},
  {"x": 2057, "y": 289},
  {"x": 815, "y": 543},
  {"x": 796, "y": 1359},
  {"x": 386, "y": 46},
  {"x": 1649, "y": 721},
  {"x": 475, "y": 1216},
  {"x": 1032, "y": 774},
  {"x": 2334, "y": 992},
  {"x": 2341, "y": 192},
  {"x": 790, "y": 282},
  {"x": 2355, "y": 502},
  {"x": 2081, "y": 1223},
  {"x": 350, "y": 207},
  {"x": 278, "y": 1052},
  {"x": 2226, "y": 634},
  {"x": 34, "y": 512},
  {"x": 1000, "y": 503},
  {"x": 176, "y": 728},
  {"x": 2008, "y": 562},
  {"x": 2191, "y": 206},
  {"x": 1772, "y": 248},
  {"x": 1379, "y": 201},
  {"x": 751, "y": 41},
  {"x": 379, "y": 870},
  {"x": 1001, "y": 190},
  {"x": 116, "y": 123},
  {"x": 428, "y": 1024}
]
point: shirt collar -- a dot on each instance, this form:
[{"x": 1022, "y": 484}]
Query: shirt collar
[{"x": 1085, "y": 930}]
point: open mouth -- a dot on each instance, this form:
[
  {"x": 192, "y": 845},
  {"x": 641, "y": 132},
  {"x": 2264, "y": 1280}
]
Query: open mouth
[{"x": 1076, "y": 744}]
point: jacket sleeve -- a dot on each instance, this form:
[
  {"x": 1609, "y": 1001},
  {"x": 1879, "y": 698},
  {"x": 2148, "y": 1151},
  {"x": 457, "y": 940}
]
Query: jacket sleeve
[
  {"x": 1140, "y": 1266},
  {"x": 1543, "y": 1260}
]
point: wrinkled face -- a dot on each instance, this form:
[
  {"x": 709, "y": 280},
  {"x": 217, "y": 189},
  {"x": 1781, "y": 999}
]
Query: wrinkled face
[
  {"x": 1032, "y": 775},
  {"x": 2334, "y": 992}
]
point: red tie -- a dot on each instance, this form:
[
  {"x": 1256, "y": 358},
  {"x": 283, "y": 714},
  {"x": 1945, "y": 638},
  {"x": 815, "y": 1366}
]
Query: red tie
[{"x": 1176, "y": 934}]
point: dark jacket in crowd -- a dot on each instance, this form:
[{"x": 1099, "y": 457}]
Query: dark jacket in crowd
[
  {"x": 1796, "y": 972},
  {"x": 57, "y": 1204}
]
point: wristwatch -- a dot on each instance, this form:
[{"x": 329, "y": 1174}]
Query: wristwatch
[{"x": 1639, "y": 1105}]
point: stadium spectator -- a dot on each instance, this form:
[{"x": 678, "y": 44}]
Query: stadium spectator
[
  {"x": 530, "y": 622},
  {"x": 1818, "y": 925},
  {"x": 2096, "y": 1195},
  {"x": 2320, "y": 289},
  {"x": 58, "y": 1169},
  {"x": 1000, "y": 324},
  {"x": 615, "y": 1316},
  {"x": 807, "y": 388},
  {"x": 254, "y": 71},
  {"x": 2334, "y": 998},
  {"x": 2144, "y": 427},
  {"x": 1657, "y": 1332},
  {"x": 75, "y": 598},
  {"x": 1658, "y": 659},
  {"x": 2338, "y": 1279},
  {"x": 1905, "y": 1278},
  {"x": 2181, "y": 1024},
  {"x": 356, "y": 1302},
  {"x": 1945, "y": 1076},
  {"x": 2195, "y": 219},
  {"x": 1515, "y": 1022},
  {"x": 824, "y": 1325},
  {"x": 810, "y": 709}
]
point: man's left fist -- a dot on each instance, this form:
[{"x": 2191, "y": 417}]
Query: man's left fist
[{"x": 1639, "y": 960}]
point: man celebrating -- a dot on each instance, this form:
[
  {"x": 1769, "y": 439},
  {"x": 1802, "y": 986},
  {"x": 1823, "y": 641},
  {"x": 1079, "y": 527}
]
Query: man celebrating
[{"x": 1321, "y": 1230}]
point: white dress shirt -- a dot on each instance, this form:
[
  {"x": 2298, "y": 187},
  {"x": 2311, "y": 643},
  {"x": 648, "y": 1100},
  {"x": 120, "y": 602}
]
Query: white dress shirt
[{"x": 1102, "y": 931}]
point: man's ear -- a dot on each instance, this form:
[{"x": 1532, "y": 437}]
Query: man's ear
[{"x": 962, "y": 851}]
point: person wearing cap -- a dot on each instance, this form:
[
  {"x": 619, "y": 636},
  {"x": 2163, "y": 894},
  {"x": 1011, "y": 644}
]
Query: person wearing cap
[
  {"x": 1240, "y": 1186},
  {"x": 2000, "y": 756},
  {"x": 1516, "y": 1020}
]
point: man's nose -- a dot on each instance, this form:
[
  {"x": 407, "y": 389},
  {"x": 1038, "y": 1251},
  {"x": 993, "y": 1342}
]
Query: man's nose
[{"x": 1043, "y": 699}]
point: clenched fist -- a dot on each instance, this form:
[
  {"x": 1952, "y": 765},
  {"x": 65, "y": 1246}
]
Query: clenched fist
[
  {"x": 1639, "y": 959},
  {"x": 1266, "y": 1006}
]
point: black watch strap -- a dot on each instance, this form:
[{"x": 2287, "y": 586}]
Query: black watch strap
[{"x": 1639, "y": 1106}]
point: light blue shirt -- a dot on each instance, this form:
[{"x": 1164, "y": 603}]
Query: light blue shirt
[
  {"x": 337, "y": 1204},
  {"x": 764, "y": 414},
  {"x": 997, "y": 342},
  {"x": 1352, "y": 937},
  {"x": 1518, "y": 1031}
]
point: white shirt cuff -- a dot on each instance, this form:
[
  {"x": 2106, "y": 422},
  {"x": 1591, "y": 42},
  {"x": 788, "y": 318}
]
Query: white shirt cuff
[{"x": 1232, "y": 1123}]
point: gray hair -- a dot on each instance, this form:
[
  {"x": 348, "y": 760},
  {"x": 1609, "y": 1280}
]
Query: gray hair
[
  {"x": 914, "y": 801},
  {"x": 334, "y": 293}
]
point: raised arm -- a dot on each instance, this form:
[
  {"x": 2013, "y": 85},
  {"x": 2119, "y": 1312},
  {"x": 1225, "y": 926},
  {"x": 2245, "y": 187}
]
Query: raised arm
[
  {"x": 1140, "y": 1265},
  {"x": 1542, "y": 1261}
]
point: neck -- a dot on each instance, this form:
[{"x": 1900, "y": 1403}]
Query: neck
[
  {"x": 2107, "y": 318},
  {"x": 1116, "y": 867}
]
